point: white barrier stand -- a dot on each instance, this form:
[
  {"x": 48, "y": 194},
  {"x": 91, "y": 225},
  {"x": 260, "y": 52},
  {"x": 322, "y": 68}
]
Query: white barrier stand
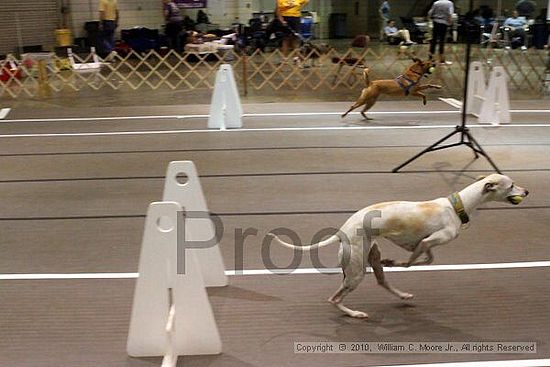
[
  {"x": 171, "y": 313},
  {"x": 495, "y": 108},
  {"x": 476, "y": 89},
  {"x": 4, "y": 113},
  {"x": 225, "y": 108},
  {"x": 85, "y": 67},
  {"x": 183, "y": 186}
]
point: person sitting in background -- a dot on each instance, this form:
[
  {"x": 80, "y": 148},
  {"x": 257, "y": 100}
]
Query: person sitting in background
[
  {"x": 188, "y": 23},
  {"x": 202, "y": 18},
  {"x": 392, "y": 32},
  {"x": 515, "y": 22},
  {"x": 516, "y": 26}
]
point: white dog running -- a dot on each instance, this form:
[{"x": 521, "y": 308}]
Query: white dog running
[{"x": 415, "y": 226}]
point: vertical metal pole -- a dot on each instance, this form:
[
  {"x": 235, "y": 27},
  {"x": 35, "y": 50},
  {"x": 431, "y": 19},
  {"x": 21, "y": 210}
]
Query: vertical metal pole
[
  {"x": 19, "y": 34},
  {"x": 245, "y": 74},
  {"x": 91, "y": 9},
  {"x": 466, "y": 73}
]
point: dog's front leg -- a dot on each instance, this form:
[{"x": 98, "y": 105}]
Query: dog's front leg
[
  {"x": 418, "y": 91},
  {"x": 428, "y": 86},
  {"x": 392, "y": 263},
  {"x": 437, "y": 238},
  {"x": 428, "y": 260}
]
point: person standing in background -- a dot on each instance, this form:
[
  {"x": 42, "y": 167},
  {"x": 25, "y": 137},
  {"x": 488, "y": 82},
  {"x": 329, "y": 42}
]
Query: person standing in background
[
  {"x": 173, "y": 25},
  {"x": 108, "y": 18},
  {"x": 441, "y": 14},
  {"x": 384, "y": 11},
  {"x": 289, "y": 13}
]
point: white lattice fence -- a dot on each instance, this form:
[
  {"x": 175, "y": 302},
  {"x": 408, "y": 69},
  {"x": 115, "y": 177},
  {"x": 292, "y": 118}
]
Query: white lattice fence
[{"x": 260, "y": 72}]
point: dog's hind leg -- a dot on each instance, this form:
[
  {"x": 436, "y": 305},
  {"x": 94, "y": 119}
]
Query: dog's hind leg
[
  {"x": 363, "y": 98},
  {"x": 367, "y": 107},
  {"x": 359, "y": 103},
  {"x": 374, "y": 261},
  {"x": 353, "y": 266},
  {"x": 350, "y": 282}
]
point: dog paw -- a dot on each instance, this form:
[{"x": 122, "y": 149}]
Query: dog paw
[
  {"x": 359, "y": 315},
  {"x": 438, "y": 86},
  {"x": 406, "y": 296}
]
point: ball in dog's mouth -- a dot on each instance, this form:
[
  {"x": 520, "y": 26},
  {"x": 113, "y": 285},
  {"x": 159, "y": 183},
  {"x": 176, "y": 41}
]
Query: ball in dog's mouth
[
  {"x": 515, "y": 199},
  {"x": 431, "y": 70}
]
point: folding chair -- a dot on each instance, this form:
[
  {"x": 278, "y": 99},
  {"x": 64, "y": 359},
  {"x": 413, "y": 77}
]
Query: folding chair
[{"x": 306, "y": 28}]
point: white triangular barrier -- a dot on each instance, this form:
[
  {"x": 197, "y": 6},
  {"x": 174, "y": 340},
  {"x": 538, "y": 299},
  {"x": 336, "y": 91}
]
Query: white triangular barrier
[
  {"x": 225, "y": 108},
  {"x": 476, "y": 88},
  {"x": 183, "y": 186},
  {"x": 496, "y": 105},
  {"x": 4, "y": 113},
  {"x": 171, "y": 313}
]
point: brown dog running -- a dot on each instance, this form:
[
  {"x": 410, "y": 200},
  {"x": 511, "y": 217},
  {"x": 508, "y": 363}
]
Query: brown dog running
[{"x": 405, "y": 84}]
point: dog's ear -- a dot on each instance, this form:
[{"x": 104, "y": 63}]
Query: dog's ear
[
  {"x": 416, "y": 59},
  {"x": 489, "y": 186},
  {"x": 479, "y": 178}
]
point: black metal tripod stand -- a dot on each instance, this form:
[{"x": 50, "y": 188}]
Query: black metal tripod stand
[{"x": 466, "y": 137}]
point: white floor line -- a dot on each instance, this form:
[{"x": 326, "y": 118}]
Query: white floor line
[
  {"x": 110, "y": 118},
  {"x": 530, "y": 111},
  {"x": 274, "y": 114},
  {"x": 417, "y": 112},
  {"x": 4, "y": 113},
  {"x": 506, "y": 363},
  {"x": 274, "y": 129},
  {"x": 182, "y": 117},
  {"x": 516, "y": 265}
]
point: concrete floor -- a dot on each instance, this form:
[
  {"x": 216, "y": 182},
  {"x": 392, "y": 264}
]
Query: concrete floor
[{"x": 74, "y": 201}]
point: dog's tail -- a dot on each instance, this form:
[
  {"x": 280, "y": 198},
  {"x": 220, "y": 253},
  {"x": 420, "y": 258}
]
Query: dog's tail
[
  {"x": 329, "y": 241},
  {"x": 366, "y": 77}
]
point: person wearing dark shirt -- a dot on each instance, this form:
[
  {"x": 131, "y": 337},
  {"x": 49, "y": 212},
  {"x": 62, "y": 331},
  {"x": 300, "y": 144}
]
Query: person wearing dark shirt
[{"x": 174, "y": 23}]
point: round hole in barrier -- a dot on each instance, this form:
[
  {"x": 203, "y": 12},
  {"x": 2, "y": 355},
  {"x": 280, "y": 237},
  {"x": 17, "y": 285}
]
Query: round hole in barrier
[
  {"x": 164, "y": 224},
  {"x": 182, "y": 179}
]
